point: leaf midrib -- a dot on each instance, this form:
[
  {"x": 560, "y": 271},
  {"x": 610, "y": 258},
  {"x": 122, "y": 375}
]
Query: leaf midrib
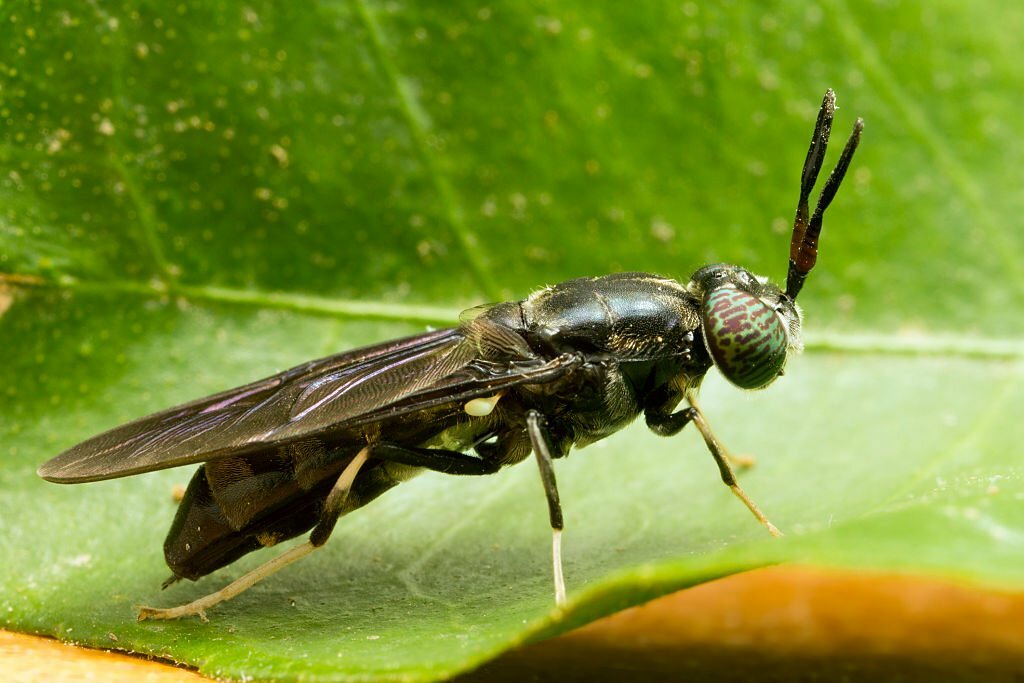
[{"x": 849, "y": 342}]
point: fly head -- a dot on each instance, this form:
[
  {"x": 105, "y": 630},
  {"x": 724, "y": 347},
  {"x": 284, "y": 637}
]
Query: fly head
[{"x": 749, "y": 324}]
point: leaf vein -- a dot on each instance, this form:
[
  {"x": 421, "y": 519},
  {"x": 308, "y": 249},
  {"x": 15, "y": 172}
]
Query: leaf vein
[
  {"x": 868, "y": 343},
  {"x": 417, "y": 128}
]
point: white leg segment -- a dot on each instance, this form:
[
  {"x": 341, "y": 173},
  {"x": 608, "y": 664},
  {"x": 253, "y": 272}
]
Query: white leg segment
[{"x": 556, "y": 557}]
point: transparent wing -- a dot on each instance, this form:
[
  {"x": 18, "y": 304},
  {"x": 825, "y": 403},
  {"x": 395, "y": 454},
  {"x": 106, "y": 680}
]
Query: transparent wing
[{"x": 245, "y": 419}]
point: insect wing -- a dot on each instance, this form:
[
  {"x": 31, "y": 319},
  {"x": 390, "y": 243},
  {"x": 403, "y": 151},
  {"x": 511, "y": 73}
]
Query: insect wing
[
  {"x": 476, "y": 379},
  {"x": 313, "y": 399},
  {"x": 236, "y": 421}
]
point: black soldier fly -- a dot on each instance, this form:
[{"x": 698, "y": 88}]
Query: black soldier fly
[{"x": 567, "y": 366}]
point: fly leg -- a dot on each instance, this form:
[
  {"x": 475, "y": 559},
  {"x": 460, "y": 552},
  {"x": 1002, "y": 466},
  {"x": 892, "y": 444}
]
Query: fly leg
[
  {"x": 454, "y": 462},
  {"x": 743, "y": 461},
  {"x": 333, "y": 506},
  {"x": 535, "y": 426},
  {"x": 449, "y": 462},
  {"x": 667, "y": 424}
]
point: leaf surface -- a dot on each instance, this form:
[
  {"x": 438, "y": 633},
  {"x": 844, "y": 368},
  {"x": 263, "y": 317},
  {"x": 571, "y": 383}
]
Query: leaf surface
[{"x": 194, "y": 196}]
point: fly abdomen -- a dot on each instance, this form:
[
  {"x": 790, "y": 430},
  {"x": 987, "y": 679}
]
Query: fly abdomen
[
  {"x": 224, "y": 515},
  {"x": 202, "y": 539}
]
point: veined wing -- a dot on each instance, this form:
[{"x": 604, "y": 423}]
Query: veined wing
[
  {"x": 314, "y": 399},
  {"x": 243, "y": 419}
]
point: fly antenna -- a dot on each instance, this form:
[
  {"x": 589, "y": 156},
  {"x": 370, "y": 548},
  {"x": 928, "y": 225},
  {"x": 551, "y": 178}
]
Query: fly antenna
[{"x": 803, "y": 249}]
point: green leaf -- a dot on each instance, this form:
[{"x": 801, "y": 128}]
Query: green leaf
[{"x": 194, "y": 196}]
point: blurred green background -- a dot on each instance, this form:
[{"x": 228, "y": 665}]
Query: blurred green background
[{"x": 194, "y": 195}]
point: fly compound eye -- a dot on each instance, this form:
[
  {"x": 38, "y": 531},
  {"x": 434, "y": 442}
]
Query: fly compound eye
[{"x": 746, "y": 338}]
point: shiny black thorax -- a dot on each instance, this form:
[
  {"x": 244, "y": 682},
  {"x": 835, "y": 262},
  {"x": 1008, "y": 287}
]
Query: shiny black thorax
[
  {"x": 637, "y": 334},
  {"x": 637, "y": 342}
]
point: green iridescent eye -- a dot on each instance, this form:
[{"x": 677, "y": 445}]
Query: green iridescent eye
[{"x": 747, "y": 340}]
